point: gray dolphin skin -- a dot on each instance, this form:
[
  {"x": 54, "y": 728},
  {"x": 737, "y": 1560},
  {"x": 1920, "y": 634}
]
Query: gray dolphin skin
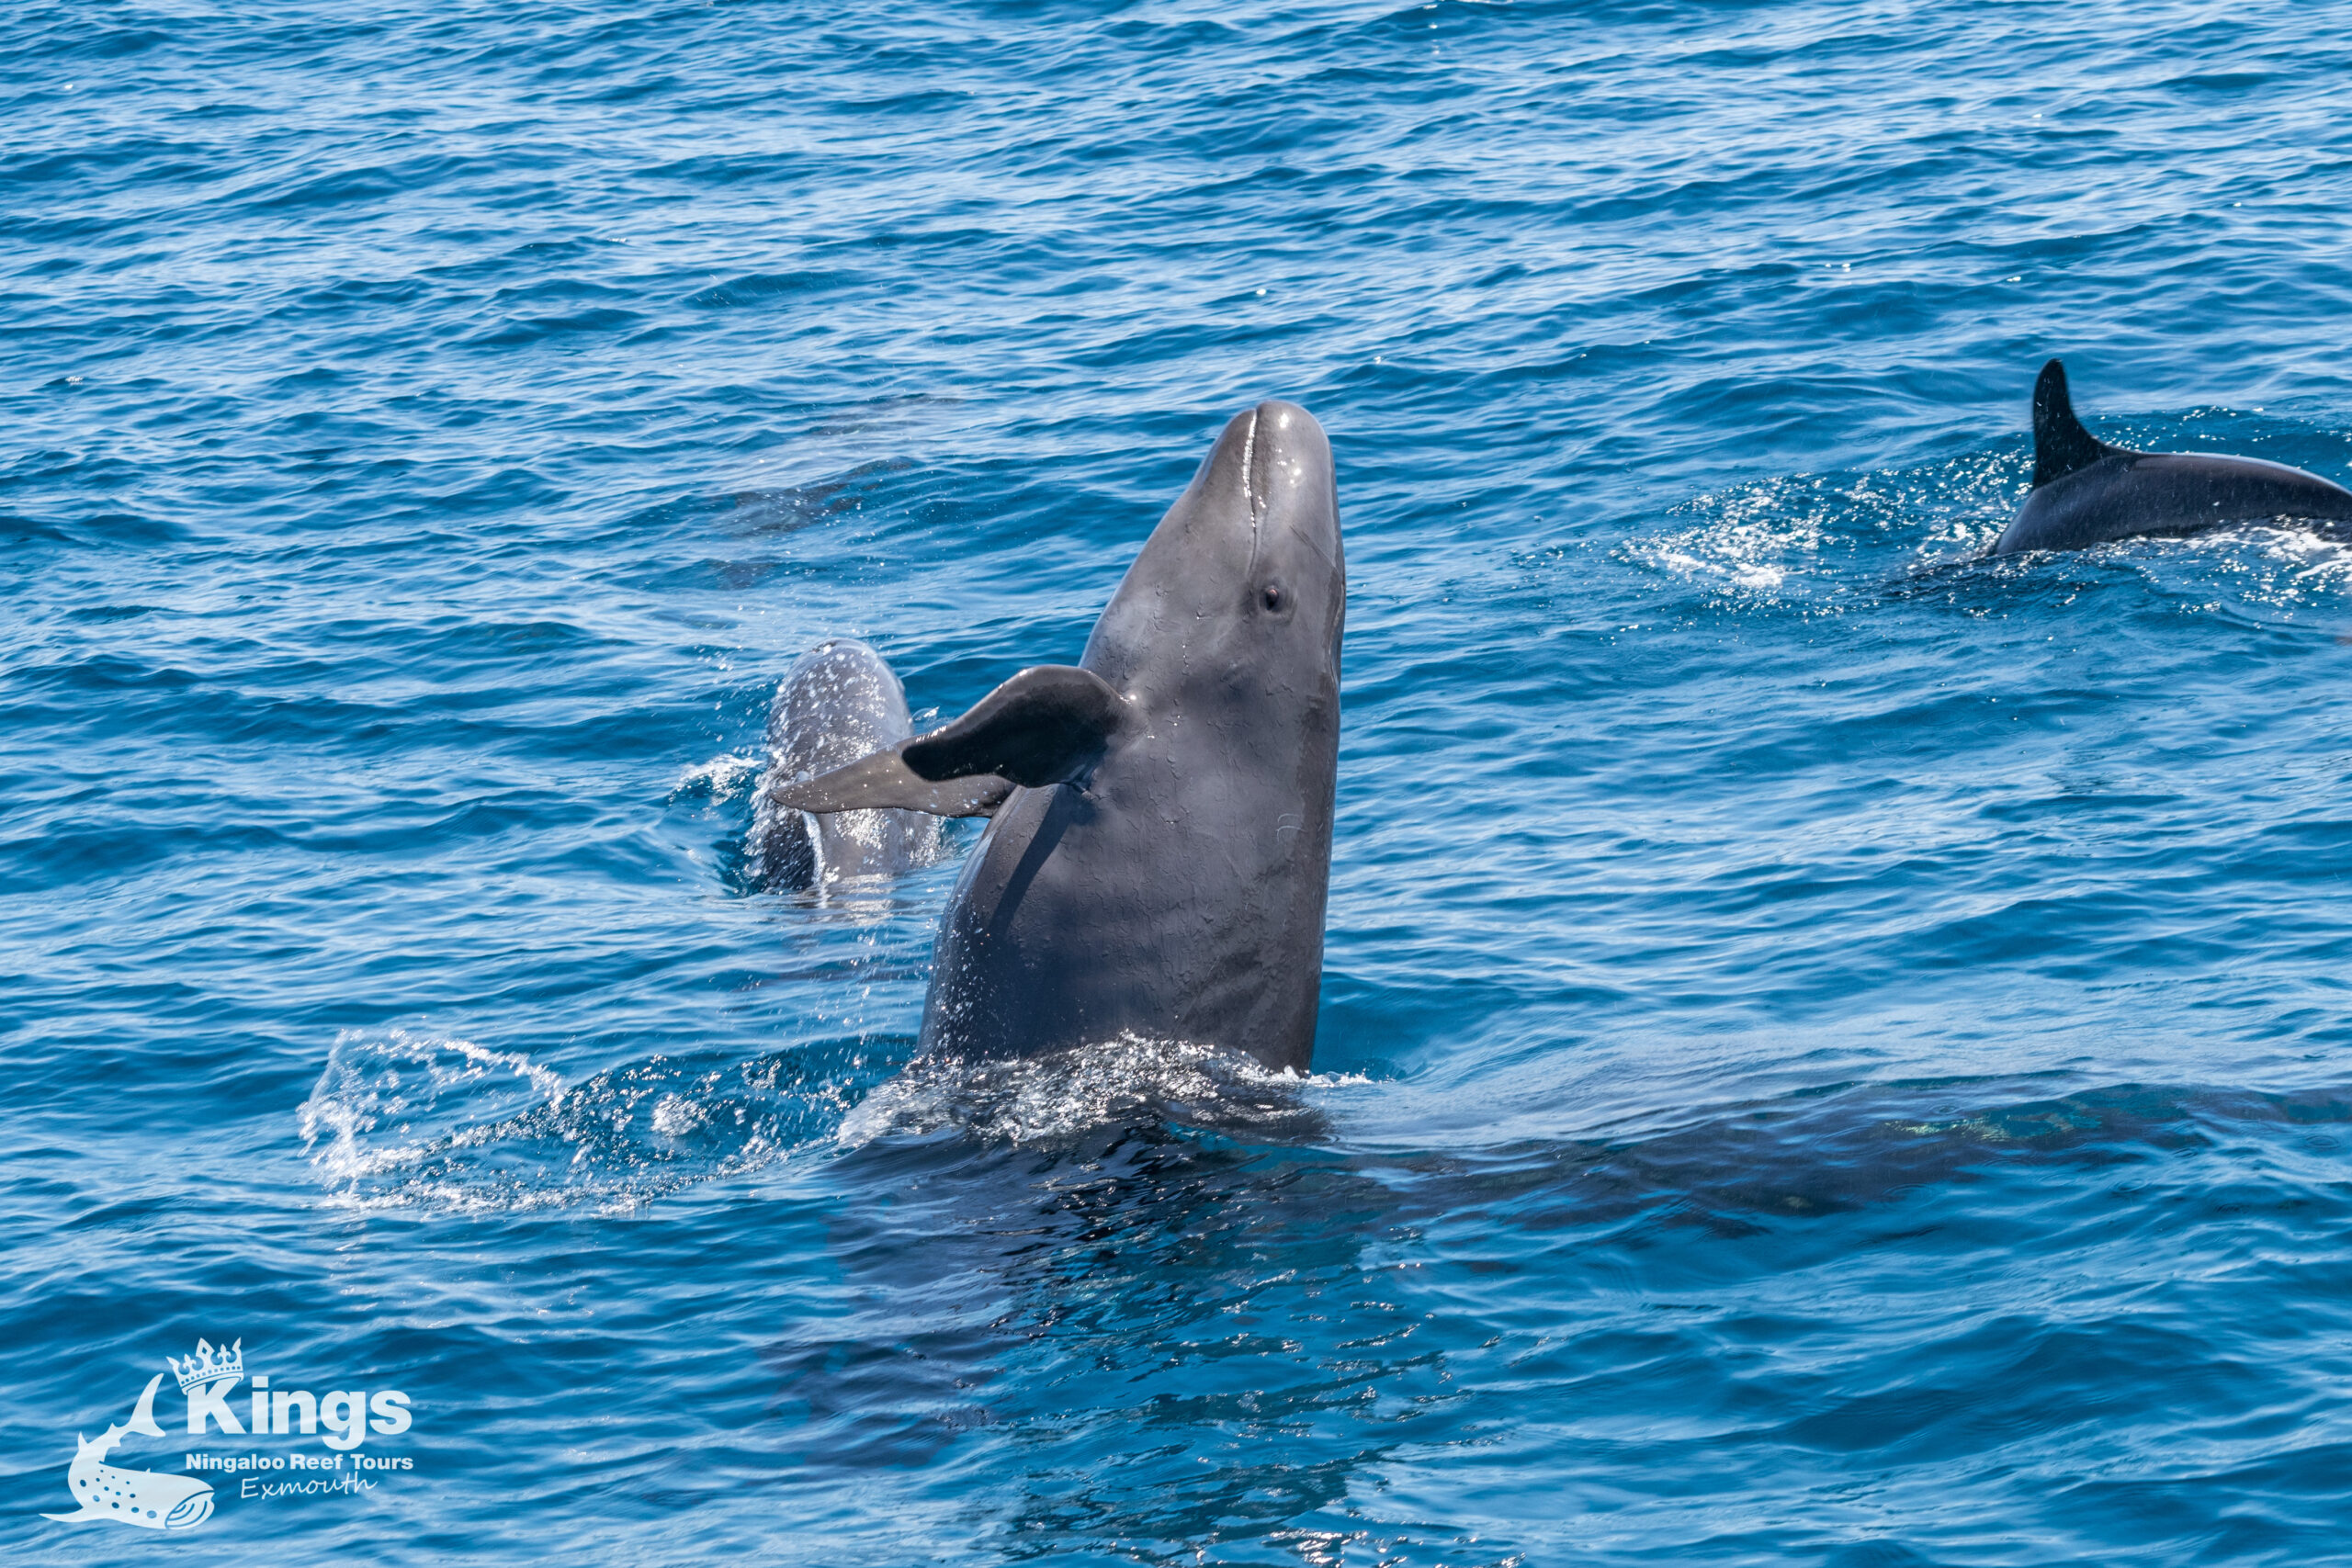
[
  {"x": 839, "y": 703},
  {"x": 1161, "y": 868},
  {"x": 2086, "y": 493}
]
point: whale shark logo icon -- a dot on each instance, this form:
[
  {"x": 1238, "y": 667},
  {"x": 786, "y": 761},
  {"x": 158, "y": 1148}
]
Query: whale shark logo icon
[{"x": 143, "y": 1497}]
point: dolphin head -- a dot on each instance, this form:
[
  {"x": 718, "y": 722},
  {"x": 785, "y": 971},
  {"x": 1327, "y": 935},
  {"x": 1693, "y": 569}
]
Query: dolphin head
[
  {"x": 1244, "y": 572},
  {"x": 840, "y": 702}
]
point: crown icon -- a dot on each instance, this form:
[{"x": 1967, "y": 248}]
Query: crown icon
[{"x": 209, "y": 1365}]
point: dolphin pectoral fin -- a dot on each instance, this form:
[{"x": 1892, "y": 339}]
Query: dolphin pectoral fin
[
  {"x": 982, "y": 792},
  {"x": 1046, "y": 725},
  {"x": 2061, "y": 445},
  {"x": 978, "y": 795},
  {"x": 883, "y": 782}
]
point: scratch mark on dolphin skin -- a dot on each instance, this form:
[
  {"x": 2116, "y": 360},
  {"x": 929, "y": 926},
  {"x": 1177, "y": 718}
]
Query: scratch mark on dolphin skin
[
  {"x": 1249, "y": 472},
  {"x": 1253, "y": 501}
]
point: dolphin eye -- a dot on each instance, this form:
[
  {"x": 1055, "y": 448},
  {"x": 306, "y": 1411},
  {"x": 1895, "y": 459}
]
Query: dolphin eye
[{"x": 1273, "y": 597}]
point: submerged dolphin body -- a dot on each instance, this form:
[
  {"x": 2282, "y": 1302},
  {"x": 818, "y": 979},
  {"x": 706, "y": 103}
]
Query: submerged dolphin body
[
  {"x": 2086, "y": 493},
  {"x": 143, "y": 1497},
  {"x": 1161, "y": 870},
  {"x": 841, "y": 701}
]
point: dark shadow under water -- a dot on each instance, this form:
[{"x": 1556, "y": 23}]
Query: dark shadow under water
[{"x": 1190, "y": 1337}]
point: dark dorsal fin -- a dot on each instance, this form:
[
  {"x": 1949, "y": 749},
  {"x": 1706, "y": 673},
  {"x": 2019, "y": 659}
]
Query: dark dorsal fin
[{"x": 2061, "y": 445}]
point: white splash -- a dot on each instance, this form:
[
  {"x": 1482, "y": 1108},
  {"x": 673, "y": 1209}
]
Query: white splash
[
  {"x": 1042, "y": 1098},
  {"x": 722, "y": 778},
  {"x": 383, "y": 1100},
  {"x": 416, "y": 1121}
]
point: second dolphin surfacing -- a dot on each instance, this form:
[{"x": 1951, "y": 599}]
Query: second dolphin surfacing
[
  {"x": 2086, "y": 493},
  {"x": 1162, "y": 866},
  {"x": 839, "y": 703}
]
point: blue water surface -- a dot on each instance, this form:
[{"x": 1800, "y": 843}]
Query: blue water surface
[{"x": 1833, "y": 1051}]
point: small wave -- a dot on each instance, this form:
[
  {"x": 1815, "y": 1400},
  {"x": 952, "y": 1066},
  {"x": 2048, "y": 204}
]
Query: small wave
[
  {"x": 1750, "y": 538},
  {"x": 411, "y": 1121},
  {"x": 382, "y": 1101},
  {"x": 2264, "y": 567},
  {"x": 1063, "y": 1094},
  {"x": 1792, "y": 538},
  {"x": 723, "y": 780}
]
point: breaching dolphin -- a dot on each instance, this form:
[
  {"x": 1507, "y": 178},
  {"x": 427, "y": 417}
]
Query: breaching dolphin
[
  {"x": 839, "y": 703},
  {"x": 1161, "y": 868},
  {"x": 2086, "y": 493}
]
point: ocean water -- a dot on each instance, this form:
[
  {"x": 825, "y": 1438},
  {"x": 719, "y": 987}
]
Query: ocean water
[{"x": 1833, "y": 1051}]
